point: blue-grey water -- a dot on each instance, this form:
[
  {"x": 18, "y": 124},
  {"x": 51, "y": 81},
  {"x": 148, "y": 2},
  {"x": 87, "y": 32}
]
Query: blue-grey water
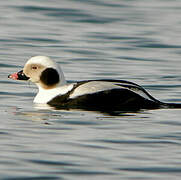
[{"x": 139, "y": 41}]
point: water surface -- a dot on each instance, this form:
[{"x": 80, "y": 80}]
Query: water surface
[{"x": 137, "y": 41}]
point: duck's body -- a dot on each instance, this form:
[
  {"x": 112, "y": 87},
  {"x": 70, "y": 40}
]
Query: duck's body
[{"x": 103, "y": 95}]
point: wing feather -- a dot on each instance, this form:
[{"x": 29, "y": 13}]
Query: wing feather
[{"x": 94, "y": 86}]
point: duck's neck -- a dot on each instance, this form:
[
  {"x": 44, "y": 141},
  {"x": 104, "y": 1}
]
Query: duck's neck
[{"x": 45, "y": 95}]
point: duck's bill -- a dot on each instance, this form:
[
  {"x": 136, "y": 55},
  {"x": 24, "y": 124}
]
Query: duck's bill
[{"x": 18, "y": 76}]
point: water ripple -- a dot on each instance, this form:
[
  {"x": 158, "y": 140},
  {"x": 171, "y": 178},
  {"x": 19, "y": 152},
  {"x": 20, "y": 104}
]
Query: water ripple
[
  {"x": 153, "y": 169},
  {"x": 138, "y": 141},
  {"x": 52, "y": 163},
  {"x": 133, "y": 40}
]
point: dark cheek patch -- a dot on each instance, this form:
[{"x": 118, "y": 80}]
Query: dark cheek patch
[{"x": 49, "y": 77}]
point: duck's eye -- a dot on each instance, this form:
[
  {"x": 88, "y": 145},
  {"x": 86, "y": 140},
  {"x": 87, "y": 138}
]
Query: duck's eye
[{"x": 34, "y": 67}]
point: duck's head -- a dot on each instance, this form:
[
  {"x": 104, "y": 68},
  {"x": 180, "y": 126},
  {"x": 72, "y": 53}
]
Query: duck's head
[{"x": 42, "y": 71}]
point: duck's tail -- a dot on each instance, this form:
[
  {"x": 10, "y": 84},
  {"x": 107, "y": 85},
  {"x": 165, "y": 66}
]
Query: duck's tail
[{"x": 171, "y": 105}]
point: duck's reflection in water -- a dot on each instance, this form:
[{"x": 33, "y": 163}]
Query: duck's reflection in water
[
  {"x": 103, "y": 112},
  {"x": 41, "y": 113}
]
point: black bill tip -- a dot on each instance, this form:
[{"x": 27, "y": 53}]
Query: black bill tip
[{"x": 18, "y": 76}]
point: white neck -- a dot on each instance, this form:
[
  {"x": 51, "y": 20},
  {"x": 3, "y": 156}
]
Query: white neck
[{"x": 45, "y": 95}]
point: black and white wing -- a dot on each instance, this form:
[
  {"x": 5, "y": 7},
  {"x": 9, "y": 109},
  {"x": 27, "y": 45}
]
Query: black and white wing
[
  {"x": 95, "y": 86},
  {"x": 106, "y": 95}
]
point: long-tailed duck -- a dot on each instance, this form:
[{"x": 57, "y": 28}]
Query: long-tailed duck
[{"x": 103, "y": 94}]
